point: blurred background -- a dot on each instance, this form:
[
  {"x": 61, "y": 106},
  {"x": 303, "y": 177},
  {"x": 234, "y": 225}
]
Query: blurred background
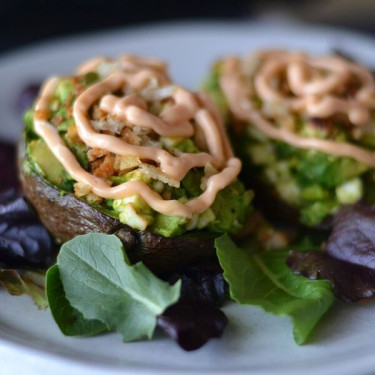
[{"x": 26, "y": 21}]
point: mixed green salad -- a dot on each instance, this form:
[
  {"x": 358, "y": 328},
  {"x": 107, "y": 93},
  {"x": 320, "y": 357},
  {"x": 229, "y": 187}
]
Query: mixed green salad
[{"x": 93, "y": 271}]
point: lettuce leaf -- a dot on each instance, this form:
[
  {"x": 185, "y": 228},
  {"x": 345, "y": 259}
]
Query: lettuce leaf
[
  {"x": 8, "y": 169},
  {"x": 263, "y": 279},
  {"x": 18, "y": 284},
  {"x": 70, "y": 321},
  {"x": 24, "y": 242},
  {"x": 353, "y": 235},
  {"x": 100, "y": 283},
  {"x": 191, "y": 322},
  {"x": 350, "y": 282},
  {"x": 196, "y": 317},
  {"x": 348, "y": 259}
]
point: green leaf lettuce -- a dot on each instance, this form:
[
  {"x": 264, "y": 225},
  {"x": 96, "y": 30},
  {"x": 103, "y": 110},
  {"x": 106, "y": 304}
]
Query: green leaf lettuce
[
  {"x": 263, "y": 279},
  {"x": 100, "y": 283},
  {"x": 70, "y": 321},
  {"x": 26, "y": 282}
]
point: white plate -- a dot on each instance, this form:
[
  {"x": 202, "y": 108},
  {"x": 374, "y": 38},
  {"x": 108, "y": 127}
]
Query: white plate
[{"x": 256, "y": 342}]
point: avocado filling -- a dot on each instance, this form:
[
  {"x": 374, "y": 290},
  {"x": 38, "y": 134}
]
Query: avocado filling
[
  {"x": 314, "y": 182},
  {"x": 226, "y": 214}
]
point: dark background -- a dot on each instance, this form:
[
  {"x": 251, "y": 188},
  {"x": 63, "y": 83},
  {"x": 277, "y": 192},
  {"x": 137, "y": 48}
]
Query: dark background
[
  {"x": 28, "y": 21},
  {"x": 25, "y": 21}
]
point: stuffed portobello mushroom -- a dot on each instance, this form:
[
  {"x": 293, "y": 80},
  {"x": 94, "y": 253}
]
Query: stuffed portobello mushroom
[
  {"x": 119, "y": 148},
  {"x": 304, "y": 127}
]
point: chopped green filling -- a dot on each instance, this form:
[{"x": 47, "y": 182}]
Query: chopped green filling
[
  {"x": 80, "y": 151},
  {"x": 90, "y": 78},
  {"x": 312, "y": 181},
  {"x": 230, "y": 208},
  {"x": 212, "y": 86},
  {"x": 28, "y": 119},
  {"x": 134, "y": 212},
  {"x": 64, "y": 91},
  {"x": 168, "y": 226},
  {"x": 227, "y": 213}
]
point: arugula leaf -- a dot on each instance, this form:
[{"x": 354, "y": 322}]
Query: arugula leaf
[
  {"x": 100, "y": 283},
  {"x": 70, "y": 321},
  {"x": 263, "y": 279},
  {"x": 17, "y": 285}
]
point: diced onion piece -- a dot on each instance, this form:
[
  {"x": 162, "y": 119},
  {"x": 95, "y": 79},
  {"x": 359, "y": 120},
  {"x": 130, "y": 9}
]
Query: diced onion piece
[
  {"x": 350, "y": 192},
  {"x": 109, "y": 124},
  {"x": 157, "y": 93}
]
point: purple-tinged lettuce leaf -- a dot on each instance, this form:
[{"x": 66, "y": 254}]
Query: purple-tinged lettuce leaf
[
  {"x": 348, "y": 258},
  {"x": 17, "y": 284},
  {"x": 8, "y": 170},
  {"x": 207, "y": 279},
  {"x": 353, "y": 235},
  {"x": 196, "y": 317},
  {"x": 350, "y": 282},
  {"x": 24, "y": 242},
  {"x": 192, "y": 324}
]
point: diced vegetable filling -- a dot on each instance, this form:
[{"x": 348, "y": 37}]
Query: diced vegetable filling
[
  {"x": 314, "y": 182},
  {"x": 117, "y": 169}
]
